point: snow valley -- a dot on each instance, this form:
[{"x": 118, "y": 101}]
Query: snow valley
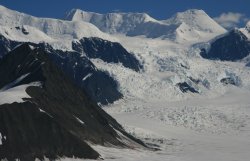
[{"x": 179, "y": 87}]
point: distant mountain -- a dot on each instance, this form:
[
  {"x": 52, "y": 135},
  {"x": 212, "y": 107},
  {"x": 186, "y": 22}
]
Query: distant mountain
[
  {"x": 195, "y": 24},
  {"x": 56, "y": 119},
  {"x": 111, "y": 22},
  {"x": 26, "y": 28},
  {"x": 191, "y": 25}
]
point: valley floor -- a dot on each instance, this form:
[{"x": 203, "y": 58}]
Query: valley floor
[
  {"x": 211, "y": 126},
  {"x": 193, "y": 130}
]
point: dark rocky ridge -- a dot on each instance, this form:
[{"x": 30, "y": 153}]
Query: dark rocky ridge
[
  {"x": 6, "y": 45},
  {"x": 98, "y": 85},
  {"x": 231, "y": 47},
  {"x": 33, "y": 134},
  {"x": 110, "y": 52},
  {"x": 47, "y": 124}
]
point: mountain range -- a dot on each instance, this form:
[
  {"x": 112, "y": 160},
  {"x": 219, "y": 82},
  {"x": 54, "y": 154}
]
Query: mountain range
[
  {"x": 190, "y": 25},
  {"x": 60, "y": 78}
]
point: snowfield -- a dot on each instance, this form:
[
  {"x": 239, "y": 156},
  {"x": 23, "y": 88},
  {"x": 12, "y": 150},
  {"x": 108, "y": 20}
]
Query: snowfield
[{"x": 211, "y": 124}]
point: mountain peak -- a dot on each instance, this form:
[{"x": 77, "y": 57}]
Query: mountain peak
[
  {"x": 111, "y": 22},
  {"x": 192, "y": 24},
  {"x": 193, "y": 11},
  {"x": 77, "y": 14},
  {"x": 196, "y": 19}
]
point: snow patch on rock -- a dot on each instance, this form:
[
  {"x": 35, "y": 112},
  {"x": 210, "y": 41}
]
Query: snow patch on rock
[{"x": 16, "y": 94}]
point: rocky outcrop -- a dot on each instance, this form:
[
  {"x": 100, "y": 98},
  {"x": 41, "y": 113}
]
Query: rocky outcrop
[
  {"x": 110, "y": 52},
  {"x": 231, "y": 47}
]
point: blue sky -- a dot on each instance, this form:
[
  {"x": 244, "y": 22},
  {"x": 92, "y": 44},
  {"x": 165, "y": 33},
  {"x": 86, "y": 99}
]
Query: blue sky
[{"x": 159, "y": 9}]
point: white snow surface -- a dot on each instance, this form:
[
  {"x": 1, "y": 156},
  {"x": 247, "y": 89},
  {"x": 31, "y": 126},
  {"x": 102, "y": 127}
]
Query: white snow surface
[
  {"x": 189, "y": 26},
  {"x": 246, "y": 30},
  {"x": 210, "y": 126},
  {"x": 110, "y": 22},
  {"x": 15, "y": 94},
  {"x": 58, "y": 33}
]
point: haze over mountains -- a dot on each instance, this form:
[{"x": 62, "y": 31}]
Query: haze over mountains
[{"x": 180, "y": 85}]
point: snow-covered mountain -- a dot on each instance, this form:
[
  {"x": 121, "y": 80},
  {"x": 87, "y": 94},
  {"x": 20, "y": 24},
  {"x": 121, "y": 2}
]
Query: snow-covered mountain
[
  {"x": 100, "y": 86},
  {"x": 153, "y": 79},
  {"x": 191, "y": 25},
  {"x": 111, "y": 22},
  {"x": 26, "y": 28},
  {"x": 69, "y": 49},
  {"x": 195, "y": 24}
]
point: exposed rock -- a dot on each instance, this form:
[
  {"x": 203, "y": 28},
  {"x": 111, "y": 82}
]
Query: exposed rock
[
  {"x": 231, "y": 47},
  {"x": 58, "y": 119},
  {"x": 185, "y": 87},
  {"x": 110, "y": 52}
]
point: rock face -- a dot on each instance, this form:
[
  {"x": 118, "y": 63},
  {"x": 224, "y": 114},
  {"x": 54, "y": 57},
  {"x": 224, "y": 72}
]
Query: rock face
[
  {"x": 59, "y": 117},
  {"x": 110, "y": 52},
  {"x": 98, "y": 85},
  {"x": 33, "y": 134},
  {"x": 231, "y": 47},
  {"x": 185, "y": 87},
  {"x": 6, "y": 45}
]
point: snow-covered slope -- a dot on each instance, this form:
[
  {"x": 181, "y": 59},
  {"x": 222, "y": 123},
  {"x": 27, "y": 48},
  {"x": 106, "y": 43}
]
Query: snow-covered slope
[
  {"x": 15, "y": 94},
  {"x": 191, "y": 25},
  {"x": 211, "y": 125},
  {"x": 22, "y": 27},
  {"x": 195, "y": 23},
  {"x": 111, "y": 22},
  {"x": 246, "y": 30}
]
